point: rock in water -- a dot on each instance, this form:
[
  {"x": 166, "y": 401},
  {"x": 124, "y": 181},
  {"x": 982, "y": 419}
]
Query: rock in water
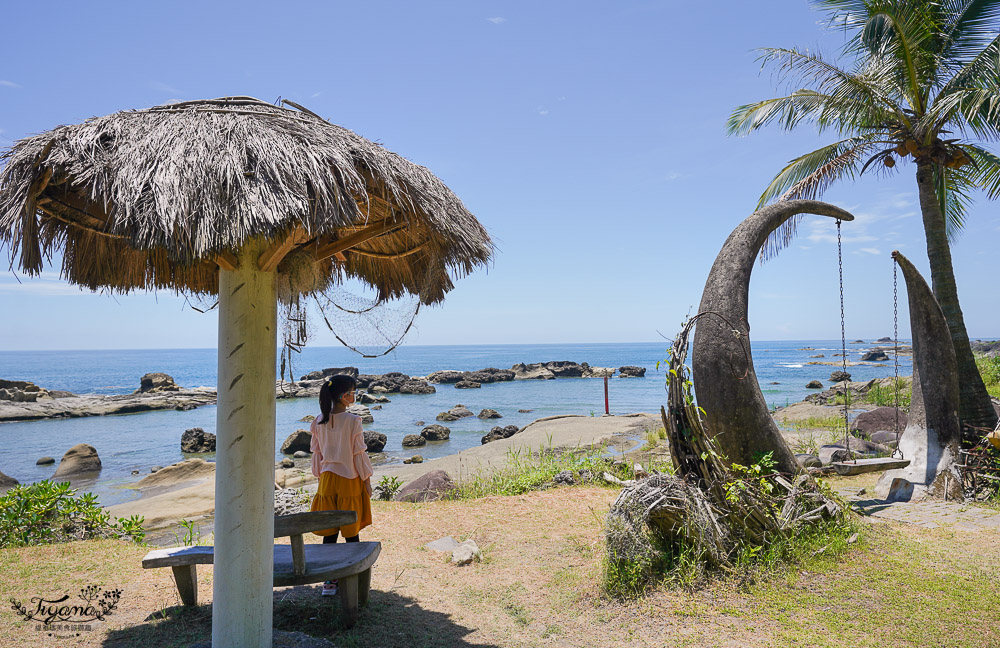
[
  {"x": 79, "y": 459},
  {"x": 875, "y": 356},
  {"x": 435, "y": 433},
  {"x": 631, "y": 371},
  {"x": 297, "y": 440},
  {"x": 413, "y": 441},
  {"x": 416, "y": 387},
  {"x": 156, "y": 382},
  {"x": 360, "y": 410},
  {"x": 490, "y": 414},
  {"x": 197, "y": 440},
  {"x": 6, "y": 481},
  {"x": 375, "y": 441},
  {"x": 814, "y": 384},
  {"x": 840, "y": 376},
  {"x": 467, "y": 384},
  {"x": 22, "y": 391},
  {"x": 44, "y": 461},
  {"x": 426, "y": 488}
]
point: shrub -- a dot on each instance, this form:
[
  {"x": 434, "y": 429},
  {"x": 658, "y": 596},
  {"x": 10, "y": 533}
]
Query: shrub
[
  {"x": 989, "y": 369},
  {"x": 387, "y": 488},
  {"x": 47, "y": 513}
]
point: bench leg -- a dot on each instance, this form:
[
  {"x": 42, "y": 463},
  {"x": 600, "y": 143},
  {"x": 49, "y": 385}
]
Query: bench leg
[
  {"x": 364, "y": 584},
  {"x": 348, "y": 587},
  {"x": 187, "y": 583}
]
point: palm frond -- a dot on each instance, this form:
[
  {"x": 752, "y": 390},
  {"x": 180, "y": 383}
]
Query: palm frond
[
  {"x": 952, "y": 187},
  {"x": 985, "y": 171},
  {"x": 969, "y": 27}
]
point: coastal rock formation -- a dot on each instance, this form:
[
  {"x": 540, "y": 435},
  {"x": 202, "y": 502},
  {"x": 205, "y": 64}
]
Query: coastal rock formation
[
  {"x": 287, "y": 463},
  {"x": 300, "y": 454},
  {"x": 489, "y": 414},
  {"x": 181, "y": 472},
  {"x": 487, "y": 375},
  {"x": 445, "y": 377},
  {"x": 436, "y": 433},
  {"x": 413, "y": 441},
  {"x": 498, "y": 433},
  {"x": 882, "y": 418},
  {"x": 333, "y": 371},
  {"x": 631, "y": 371},
  {"x": 598, "y": 372},
  {"x": 467, "y": 384},
  {"x": 548, "y": 370},
  {"x": 45, "y": 461},
  {"x": 197, "y": 440},
  {"x": 360, "y": 410},
  {"x": 429, "y": 487},
  {"x": 883, "y": 340},
  {"x": 6, "y": 481},
  {"x": 370, "y": 399},
  {"x": 725, "y": 382},
  {"x": 78, "y": 460},
  {"x": 416, "y": 387},
  {"x": 152, "y": 383},
  {"x": 875, "y": 355},
  {"x": 100, "y": 405},
  {"x": 840, "y": 376},
  {"x": 991, "y": 349},
  {"x": 297, "y": 440},
  {"x": 814, "y": 384},
  {"x": 375, "y": 441},
  {"x": 22, "y": 391},
  {"x": 455, "y": 413},
  {"x": 286, "y": 502}
]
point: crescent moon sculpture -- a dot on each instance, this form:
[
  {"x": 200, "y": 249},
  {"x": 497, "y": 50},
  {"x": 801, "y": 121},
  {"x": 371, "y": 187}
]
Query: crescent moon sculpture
[{"x": 724, "y": 379}]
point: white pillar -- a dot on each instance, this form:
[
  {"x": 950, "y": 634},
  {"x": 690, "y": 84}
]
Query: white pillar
[{"x": 244, "y": 475}]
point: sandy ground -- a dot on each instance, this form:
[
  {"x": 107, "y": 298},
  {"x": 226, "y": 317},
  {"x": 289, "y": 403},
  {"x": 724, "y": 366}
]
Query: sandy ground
[{"x": 186, "y": 491}]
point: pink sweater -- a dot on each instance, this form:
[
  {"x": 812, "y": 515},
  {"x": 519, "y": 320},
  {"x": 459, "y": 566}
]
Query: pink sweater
[{"x": 338, "y": 446}]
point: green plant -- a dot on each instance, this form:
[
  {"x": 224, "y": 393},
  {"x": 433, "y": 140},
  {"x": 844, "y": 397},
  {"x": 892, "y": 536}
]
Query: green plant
[
  {"x": 886, "y": 395},
  {"x": 989, "y": 369},
  {"x": 387, "y": 488},
  {"x": 47, "y": 512},
  {"x": 192, "y": 535}
]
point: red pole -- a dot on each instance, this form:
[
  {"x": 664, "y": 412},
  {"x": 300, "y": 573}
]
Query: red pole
[{"x": 606, "y": 410}]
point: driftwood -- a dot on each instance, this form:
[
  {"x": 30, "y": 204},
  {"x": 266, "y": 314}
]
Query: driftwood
[{"x": 709, "y": 506}]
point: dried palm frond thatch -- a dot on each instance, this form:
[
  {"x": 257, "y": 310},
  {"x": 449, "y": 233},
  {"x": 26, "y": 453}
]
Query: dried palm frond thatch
[{"x": 159, "y": 198}]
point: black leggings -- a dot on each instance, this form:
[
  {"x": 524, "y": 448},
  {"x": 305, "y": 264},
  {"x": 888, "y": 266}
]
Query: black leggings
[{"x": 330, "y": 539}]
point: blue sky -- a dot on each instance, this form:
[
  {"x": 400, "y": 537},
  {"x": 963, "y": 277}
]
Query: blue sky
[{"x": 587, "y": 137}]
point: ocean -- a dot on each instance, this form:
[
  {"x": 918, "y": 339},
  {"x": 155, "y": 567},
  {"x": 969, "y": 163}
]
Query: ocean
[{"x": 139, "y": 441}]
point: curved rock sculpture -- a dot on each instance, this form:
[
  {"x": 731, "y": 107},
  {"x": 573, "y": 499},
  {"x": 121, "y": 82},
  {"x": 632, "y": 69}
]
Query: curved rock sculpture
[
  {"x": 932, "y": 436},
  {"x": 724, "y": 378}
]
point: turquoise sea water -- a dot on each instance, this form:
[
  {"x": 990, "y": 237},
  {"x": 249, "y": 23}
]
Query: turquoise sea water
[{"x": 139, "y": 441}]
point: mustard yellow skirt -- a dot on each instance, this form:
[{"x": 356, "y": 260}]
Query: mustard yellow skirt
[{"x": 336, "y": 493}]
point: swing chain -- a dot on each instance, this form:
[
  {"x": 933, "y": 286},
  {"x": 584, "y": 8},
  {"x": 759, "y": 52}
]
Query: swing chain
[
  {"x": 843, "y": 345},
  {"x": 895, "y": 350}
]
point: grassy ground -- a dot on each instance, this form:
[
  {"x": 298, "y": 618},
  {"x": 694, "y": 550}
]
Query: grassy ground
[{"x": 538, "y": 586}]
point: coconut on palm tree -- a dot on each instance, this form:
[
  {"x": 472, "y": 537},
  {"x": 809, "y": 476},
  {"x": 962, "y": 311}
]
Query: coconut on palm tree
[{"x": 918, "y": 87}]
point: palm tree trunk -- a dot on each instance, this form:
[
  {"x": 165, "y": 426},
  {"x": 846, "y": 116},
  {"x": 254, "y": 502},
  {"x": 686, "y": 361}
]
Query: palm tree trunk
[{"x": 975, "y": 407}]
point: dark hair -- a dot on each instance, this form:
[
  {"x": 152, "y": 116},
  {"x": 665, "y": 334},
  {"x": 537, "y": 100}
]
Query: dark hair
[{"x": 333, "y": 388}]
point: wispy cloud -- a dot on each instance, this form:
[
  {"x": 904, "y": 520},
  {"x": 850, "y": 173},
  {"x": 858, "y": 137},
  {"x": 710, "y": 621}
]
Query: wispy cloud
[
  {"x": 9, "y": 84},
  {"x": 870, "y": 250},
  {"x": 543, "y": 111},
  {"x": 46, "y": 285},
  {"x": 159, "y": 86},
  {"x": 675, "y": 175},
  {"x": 878, "y": 223},
  {"x": 497, "y": 20},
  {"x": 315, "y": 94}
]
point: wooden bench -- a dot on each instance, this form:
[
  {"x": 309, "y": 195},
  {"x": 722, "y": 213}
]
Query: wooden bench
[{"x": 296, "y": 563}]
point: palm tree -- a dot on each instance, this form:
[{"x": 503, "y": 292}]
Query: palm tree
[{"x": 921, "y": 86}]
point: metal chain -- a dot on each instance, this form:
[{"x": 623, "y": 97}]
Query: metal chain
[
  {"x": 895, "y": 350},
  {"x": 843, "y": 343}
]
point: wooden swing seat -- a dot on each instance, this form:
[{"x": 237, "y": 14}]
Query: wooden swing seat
[{"x": 861, "y": 466}]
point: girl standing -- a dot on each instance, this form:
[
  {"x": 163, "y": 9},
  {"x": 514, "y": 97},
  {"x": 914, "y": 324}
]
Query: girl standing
[{"x": 340, "y": 460}]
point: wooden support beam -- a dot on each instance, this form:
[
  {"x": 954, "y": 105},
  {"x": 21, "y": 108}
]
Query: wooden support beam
[
  {"x": 342, "y": 244},
  {"x": 269, "y": 260},
  {"x": 227, "y": 261},
  {"x": 389, "y": 255}
]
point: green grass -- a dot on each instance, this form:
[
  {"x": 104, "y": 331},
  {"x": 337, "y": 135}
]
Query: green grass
[
  {"x": 528, "y": 471},
  {"x": 989, "y": 369}
]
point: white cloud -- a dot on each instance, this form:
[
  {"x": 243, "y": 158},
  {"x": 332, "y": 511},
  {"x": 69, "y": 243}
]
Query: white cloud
[
  {"x": 159, "y": 86},
  {"x": 9, "y": 84},
  {"x": 315, "y": 94},
  {"x": 543, "y": 111},
  {"x": 870, "y": 250},
  {"x": 497, "y": 20},
  {"x": 674, "y": 175}
]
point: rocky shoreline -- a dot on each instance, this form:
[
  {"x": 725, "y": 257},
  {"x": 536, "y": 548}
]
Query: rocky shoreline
[{"x": 25, "y": 401}]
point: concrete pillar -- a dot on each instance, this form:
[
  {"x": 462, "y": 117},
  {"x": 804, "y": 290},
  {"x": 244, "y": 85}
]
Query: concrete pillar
[{"x": 244, "y": 476}]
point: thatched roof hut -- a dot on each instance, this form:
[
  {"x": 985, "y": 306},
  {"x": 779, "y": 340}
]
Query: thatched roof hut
[
  {"x": 255, "y": 203},
  {"x": 158, "y": 198}
]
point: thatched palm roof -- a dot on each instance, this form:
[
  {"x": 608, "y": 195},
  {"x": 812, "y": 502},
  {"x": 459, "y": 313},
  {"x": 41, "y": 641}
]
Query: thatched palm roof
[{"x": 159, "y": 198}]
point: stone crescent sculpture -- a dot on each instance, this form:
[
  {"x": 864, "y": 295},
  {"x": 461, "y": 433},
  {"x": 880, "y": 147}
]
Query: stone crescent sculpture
[
  {"x": 724, "y": 379},
  {"x": 932, "y": 436}
]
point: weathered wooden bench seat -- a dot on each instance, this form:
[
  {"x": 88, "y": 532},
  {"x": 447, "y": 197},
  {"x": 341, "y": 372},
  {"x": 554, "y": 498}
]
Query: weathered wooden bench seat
[{"x": 294, "y": 564}]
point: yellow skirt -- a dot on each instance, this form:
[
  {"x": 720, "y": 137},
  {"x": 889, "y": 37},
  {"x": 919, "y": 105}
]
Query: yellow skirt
[{"x": 336, "y": 493}]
